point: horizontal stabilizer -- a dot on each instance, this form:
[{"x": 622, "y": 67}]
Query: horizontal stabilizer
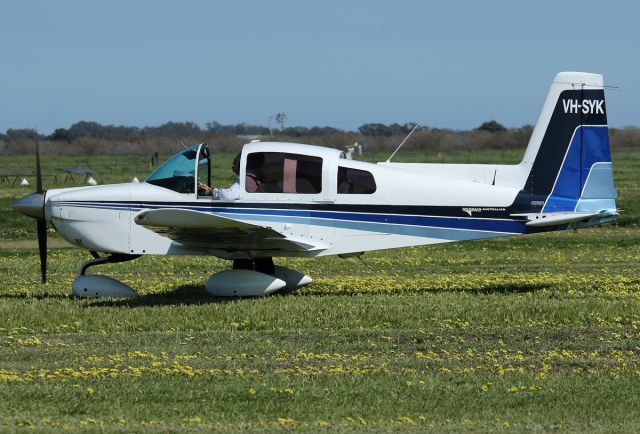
[{"x": 563, "y": 218}]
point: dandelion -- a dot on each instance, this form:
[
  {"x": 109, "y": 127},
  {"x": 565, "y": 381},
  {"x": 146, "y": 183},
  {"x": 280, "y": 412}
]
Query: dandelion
[{"x": 286, "y": 421}]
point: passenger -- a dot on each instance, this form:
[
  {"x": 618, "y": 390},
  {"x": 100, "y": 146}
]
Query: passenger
[{"x": 253, "y": 173}]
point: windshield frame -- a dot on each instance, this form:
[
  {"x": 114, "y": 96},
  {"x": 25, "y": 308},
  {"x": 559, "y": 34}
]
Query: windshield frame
[{"x": 203, "y": 152}]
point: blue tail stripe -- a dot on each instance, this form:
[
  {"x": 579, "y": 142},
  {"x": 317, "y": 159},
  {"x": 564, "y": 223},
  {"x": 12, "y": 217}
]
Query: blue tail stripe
[{"x": 589, "y": 145}]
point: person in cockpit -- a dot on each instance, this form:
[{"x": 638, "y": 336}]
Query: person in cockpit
[{"x": 233, "y": 191}]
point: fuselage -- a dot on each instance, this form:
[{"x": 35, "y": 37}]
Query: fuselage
[{"x": 402, "y": 208}]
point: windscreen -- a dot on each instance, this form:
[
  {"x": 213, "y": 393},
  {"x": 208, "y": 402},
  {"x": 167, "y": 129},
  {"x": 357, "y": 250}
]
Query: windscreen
[{"x": 178, "y": 172}]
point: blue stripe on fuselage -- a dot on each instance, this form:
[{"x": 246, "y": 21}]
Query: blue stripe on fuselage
[
  {"x": 376, "y": 222},
  {"x": 477, "y": 224}
]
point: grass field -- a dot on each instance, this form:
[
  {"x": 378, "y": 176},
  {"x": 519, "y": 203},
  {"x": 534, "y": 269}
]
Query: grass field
[{"x": 535, "y": 333}]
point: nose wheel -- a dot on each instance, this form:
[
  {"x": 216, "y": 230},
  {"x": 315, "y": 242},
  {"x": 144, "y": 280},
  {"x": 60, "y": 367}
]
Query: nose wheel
[{"x": 97, "y": 286}]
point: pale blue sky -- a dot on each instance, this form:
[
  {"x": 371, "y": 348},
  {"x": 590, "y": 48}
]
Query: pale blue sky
[{"x": 452, "y": 64}]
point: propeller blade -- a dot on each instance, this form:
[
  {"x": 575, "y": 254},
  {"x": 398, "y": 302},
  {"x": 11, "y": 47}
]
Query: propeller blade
[
  {"x": 42, "y": 223},
  {"x": 38, "y": 172},
  {"x": 42, "y": 247}
]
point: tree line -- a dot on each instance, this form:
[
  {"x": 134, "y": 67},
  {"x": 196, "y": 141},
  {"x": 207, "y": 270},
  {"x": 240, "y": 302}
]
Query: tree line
[
  {"x": 177, "y": 130},
  {"x": 86, "y": 138}
]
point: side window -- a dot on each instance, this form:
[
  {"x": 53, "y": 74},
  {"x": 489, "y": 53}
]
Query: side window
[
  {"x": 278, "y": 172},
  {"x": 355, "y": 181}
]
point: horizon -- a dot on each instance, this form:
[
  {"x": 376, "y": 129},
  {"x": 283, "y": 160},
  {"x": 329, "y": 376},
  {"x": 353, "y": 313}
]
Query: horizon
[{"x": 276, "y": 128}]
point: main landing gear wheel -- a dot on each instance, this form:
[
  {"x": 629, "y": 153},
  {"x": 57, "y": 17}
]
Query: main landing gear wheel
[{"x": 254, "y": 278}]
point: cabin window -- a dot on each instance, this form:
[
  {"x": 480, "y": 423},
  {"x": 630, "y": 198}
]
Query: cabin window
[
  {"x": 355, "y": 181},
  {"x": 279, "y": 172}
]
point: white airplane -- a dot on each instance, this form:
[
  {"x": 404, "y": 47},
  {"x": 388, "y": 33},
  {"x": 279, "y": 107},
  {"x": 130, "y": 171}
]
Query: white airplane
[{"x": 311, "y": 201}]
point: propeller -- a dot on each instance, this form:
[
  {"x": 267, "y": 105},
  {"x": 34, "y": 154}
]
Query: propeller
[
  {"x": 42, "y": 223},
  {"x": 32, "y": 205}
]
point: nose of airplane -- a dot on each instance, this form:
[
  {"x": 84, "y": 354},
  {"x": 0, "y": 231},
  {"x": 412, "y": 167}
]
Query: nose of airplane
[{"x": 31, "y": 205}]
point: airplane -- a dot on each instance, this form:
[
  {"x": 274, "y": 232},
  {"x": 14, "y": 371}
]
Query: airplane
[{"x": 311, "y": 201}]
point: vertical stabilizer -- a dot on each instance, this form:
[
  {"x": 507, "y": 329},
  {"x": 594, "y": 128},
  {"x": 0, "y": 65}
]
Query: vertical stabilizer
[{"x": 568, "y": 158}]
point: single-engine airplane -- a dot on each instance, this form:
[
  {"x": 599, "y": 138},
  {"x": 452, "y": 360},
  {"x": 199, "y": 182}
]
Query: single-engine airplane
[{"x": 311, "y": 201}]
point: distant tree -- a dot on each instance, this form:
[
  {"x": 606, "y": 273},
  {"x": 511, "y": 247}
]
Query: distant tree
[
  {"x": 172, "y": 130},
  {"x": 375, "y": 130},
  {"x": 241, "y": 129},
  {"x": 85, "y": 129},
  {"x": 119, "y": 132},
  {"x": 295, "y": 131},
  {"x": 23, "y": 134},
  {"x": 60, "y": 135},
  {"x": 492, "y": 127},
  {"x": 322, "y": 131},
  {"x": 256, "y": 130},
  {"x": 214, "y": 127}
]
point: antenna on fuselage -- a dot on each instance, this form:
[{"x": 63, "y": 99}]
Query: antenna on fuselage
[{"x": 400, "y": 145}]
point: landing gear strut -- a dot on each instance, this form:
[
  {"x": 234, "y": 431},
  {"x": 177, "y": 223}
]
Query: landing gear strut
[
  {"x": 262, "y": 265},
  {"x": 111, "y": 259},
  {"x": 102, "y": 286}
]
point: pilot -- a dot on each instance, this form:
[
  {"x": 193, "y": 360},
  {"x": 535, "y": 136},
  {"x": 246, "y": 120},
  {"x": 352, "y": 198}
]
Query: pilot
[{"x": 233, "y": 191}]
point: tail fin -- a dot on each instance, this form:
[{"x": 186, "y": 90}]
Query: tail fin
[{"x": 568, "y": 156}]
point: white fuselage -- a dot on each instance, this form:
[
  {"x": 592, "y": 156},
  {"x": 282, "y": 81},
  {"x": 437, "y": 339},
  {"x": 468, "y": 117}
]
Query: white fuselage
[{"x": 101, "y": 218}]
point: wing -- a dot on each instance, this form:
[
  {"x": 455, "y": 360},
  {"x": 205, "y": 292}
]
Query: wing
[{"x": 202, "y": 230}]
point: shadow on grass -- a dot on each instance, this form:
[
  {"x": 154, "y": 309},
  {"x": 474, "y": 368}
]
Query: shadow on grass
[
  {"x": 196, "y": 295},
  {"x": 504, "y": 289},
  {"x": 193, "y": 295},
  {"x": 42, "y": 296},
  {"x": 185, "y": 295}
]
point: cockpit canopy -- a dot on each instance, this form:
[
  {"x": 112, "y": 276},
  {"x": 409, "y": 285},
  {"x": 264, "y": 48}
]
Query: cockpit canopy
[
  {"x": 267, "y": 169},
  {"x": 180, "y": 172}
]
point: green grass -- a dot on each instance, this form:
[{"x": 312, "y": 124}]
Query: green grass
[{"x": 534, "y": 333}]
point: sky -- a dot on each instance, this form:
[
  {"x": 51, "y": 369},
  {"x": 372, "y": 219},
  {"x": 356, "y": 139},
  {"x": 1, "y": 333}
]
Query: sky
[{"x": 340, "y": 63}]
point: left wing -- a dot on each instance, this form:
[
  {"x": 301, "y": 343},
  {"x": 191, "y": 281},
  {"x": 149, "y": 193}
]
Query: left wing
[{"x": 201, "y": 230}]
